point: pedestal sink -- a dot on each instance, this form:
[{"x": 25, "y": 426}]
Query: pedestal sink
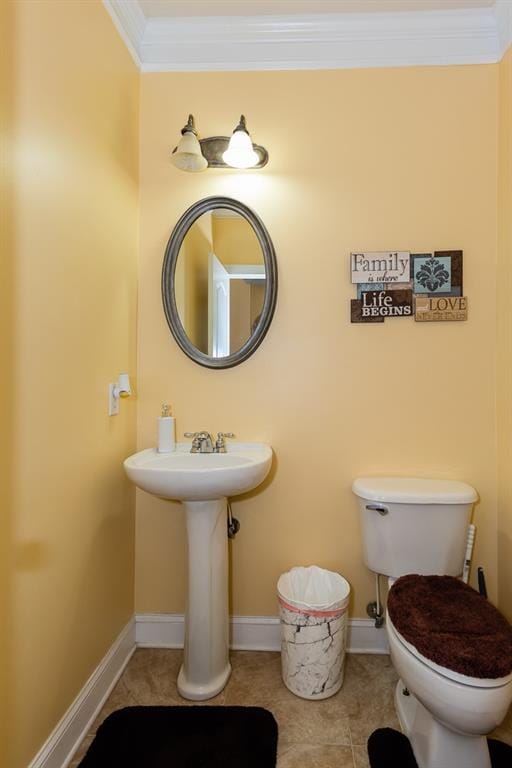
[{"x": 202, "y": 482}]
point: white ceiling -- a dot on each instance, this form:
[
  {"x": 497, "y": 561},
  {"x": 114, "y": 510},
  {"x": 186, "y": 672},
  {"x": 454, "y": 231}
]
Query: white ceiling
[
  {"x": 227, "y": 35},
  {"x": 174, "y": 8}
]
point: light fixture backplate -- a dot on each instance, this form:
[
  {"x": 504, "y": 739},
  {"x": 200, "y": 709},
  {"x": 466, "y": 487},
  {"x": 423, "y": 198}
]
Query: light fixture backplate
[{"x": 214, "y": 147}]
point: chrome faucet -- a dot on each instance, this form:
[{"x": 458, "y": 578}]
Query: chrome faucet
[{"x": 202, "y": 442}]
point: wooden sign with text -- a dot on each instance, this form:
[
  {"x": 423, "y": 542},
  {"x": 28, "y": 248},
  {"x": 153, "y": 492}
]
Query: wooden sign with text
[
  {"x": 375, "y": 306},
  {"x": 441, "y": 308},
  {"x": 380, "y": 267}
]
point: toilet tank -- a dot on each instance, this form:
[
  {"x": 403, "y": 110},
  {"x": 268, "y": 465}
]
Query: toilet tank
[{"x": 414, "y": 525}]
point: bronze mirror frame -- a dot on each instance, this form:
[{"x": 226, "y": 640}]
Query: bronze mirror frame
[{"x": 172, "y": 250}]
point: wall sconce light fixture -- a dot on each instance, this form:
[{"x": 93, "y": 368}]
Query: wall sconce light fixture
[
  {"x": 187, "y": 156},
  {"x": 238, "y": 151}
]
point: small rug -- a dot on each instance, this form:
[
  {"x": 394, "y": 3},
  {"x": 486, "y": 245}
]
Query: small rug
[
  {"x": 388, "y": 748},
  {"x": 185, "y": 737}
]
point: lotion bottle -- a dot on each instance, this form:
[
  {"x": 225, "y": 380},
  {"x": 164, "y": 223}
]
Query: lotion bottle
[{"x": 166, "y": 431}]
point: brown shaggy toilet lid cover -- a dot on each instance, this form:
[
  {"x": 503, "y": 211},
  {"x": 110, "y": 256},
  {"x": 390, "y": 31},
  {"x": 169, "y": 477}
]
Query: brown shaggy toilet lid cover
[{"x": 452, "y": 625}]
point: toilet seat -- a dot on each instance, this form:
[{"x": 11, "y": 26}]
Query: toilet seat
[
  {"x": 475, "y": 682},
  {"x": 452, "y": 629}
]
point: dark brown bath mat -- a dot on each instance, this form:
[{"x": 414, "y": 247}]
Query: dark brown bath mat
[
  {"x": 185, "y": 737},
  {"x": 388, "y": 748}
]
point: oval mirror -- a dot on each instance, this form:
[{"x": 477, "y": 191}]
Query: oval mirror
[{"x": 219, "y": 282}]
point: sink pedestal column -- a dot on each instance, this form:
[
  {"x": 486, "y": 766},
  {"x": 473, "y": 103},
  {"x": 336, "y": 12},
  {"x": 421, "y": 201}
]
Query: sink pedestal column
[{"x": 206, "y": 668}]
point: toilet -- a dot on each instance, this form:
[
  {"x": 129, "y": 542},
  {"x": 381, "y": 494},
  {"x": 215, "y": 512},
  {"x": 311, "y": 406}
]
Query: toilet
[{"x": 451, "y": 648}]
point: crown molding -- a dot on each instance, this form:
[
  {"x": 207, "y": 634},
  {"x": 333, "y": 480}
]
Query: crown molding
[
  {"x": 318, "y": 41},
  {"x": 130, "y": 22},
  {"x": 504, "y": 24}
]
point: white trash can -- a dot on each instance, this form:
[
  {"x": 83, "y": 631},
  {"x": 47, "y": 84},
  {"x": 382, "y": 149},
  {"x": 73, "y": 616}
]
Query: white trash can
[{"x": 313, "y": 606}]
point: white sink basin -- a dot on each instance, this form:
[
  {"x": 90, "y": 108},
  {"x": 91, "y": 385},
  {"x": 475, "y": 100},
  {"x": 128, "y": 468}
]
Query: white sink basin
[{"x": 186, "y": 476}]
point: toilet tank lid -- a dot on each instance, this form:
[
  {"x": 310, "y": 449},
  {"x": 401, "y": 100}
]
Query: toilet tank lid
[{"x": 414, "y": 490}]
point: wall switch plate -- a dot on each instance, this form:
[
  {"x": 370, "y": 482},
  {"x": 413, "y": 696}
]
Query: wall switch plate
[{"x": 113, "y": 400}]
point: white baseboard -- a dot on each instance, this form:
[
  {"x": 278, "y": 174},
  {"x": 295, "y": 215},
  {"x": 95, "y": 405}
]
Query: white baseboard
[
  {"x": 363, "y": 637},
  {"x": 59, "y": 749},
  {"x": 249, "y": 633}
]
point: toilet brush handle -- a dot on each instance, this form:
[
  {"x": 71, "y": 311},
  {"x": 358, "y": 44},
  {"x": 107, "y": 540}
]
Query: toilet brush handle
[
  {"x": 470, "y": 541},
  {"x": 481, "y": 581}
]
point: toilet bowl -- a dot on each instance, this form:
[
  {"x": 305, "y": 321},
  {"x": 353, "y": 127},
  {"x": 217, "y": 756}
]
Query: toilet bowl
[
  {"x": 450, "y": 694},
  {"x": 445, "y": 714}
]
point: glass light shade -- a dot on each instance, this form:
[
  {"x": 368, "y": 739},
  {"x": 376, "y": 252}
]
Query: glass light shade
[
  {"x": 188, "y": 155},
  {"x": 240, "y": 153}
]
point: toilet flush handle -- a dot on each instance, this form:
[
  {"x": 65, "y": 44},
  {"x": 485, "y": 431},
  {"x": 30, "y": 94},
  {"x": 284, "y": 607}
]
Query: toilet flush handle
[{"x": 378, "y": 508}]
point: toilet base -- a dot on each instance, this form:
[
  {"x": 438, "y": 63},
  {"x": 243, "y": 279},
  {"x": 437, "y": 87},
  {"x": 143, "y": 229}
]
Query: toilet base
[{"x": 434, "y": 745}]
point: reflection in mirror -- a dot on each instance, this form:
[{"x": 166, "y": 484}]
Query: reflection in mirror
[{"x": 219, "y": 282}]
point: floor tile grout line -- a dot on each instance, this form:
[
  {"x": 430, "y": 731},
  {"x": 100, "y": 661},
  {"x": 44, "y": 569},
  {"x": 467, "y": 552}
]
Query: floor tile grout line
[
  {"x": 353, "y": 753},
  {"x": 313, "y": 745}
]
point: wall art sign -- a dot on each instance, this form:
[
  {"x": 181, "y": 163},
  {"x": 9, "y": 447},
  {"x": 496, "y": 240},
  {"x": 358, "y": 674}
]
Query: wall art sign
[
  {"x": 428, "y": 286},
  {"x": 380, "y": 267},
  {"x": 381, "y": 304},
  {"x": 441, "y": 308}
]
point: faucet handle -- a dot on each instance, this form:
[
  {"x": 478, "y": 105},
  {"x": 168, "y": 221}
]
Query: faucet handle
[
  {"x": 220, "y": 445},
  {"x": 196, "y": 441}
]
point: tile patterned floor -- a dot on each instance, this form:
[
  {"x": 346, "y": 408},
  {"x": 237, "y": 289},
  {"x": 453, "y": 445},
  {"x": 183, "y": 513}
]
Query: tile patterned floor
[{"x": 322, "y": 734}]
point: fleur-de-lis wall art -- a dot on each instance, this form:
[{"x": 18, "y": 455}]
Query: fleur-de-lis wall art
[{"x": 432, "y": 275}]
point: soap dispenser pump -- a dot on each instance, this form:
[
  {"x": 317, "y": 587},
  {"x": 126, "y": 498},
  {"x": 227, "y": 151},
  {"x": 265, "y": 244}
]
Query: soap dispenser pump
[{"x": 166, "y": 431}]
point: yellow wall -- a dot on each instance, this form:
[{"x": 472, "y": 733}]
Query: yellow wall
[
  {"x": 194, "y": 255},
  {"x": 235, "y": 241},
  {"x": 6, "y": 364},
  {"x": 257, "y": 299},
  {"x": 191, "y": 279},
  {"x": 504, "y": 388},
  {"x": 409, "y": 161},
  {"x": 76, "y": 228},
  {"x": 239, "y": 313}
]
